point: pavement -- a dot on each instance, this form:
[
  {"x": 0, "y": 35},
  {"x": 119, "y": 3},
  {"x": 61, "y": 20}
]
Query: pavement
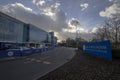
[
  {"x": 35, "y": 66},
  {"x": 86, "y": 67}
]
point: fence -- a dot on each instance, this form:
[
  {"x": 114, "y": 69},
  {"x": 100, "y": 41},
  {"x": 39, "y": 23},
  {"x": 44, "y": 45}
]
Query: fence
[{"x": 20, "y": 53}]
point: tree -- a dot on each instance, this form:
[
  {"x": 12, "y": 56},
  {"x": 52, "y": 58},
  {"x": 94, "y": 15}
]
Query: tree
[
  {"x": 62, "y": 43},
  {"x": 110, "y": 30},
  {"x": 114, "y": 26},
  {"x": 70, "y": 42},
  {"x": 101, "y": 33}
]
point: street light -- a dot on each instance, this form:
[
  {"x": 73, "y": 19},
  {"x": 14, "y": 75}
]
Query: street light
[{"x": 76, "y": 24}]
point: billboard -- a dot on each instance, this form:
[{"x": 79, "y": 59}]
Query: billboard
[{"x": 101, "y": 49}]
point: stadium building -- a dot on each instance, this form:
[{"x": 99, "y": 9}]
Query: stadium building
[{"x": 14, "y": 31}]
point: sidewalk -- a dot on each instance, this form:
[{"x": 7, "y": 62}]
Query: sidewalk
[{"x": 86, "y": 67}]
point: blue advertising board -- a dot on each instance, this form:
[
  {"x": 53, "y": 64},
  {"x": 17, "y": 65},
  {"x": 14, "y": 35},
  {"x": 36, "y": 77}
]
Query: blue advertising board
[
  {"x": 24, "y": 52},
  {"x": 101, "y": 49},
  {"x": 10, "y": 53},
  {"x": 36, "y": 50},
  {"x": 27, "y": 52}
]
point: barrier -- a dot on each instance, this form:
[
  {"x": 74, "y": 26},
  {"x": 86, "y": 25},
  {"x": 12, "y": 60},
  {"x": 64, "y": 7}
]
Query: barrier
[
  {"x": 20, "y": 53},
  {"x": 43, "y": 49},
  {"x": 37, "y": 50},
  {"x": 26, "y": 52},
  {"x": 101, "y": 49},
  {"x": 10, "y": 53}
]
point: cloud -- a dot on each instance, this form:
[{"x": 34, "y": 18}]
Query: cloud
[
  {"x": 74, "y": 26},
  {"x": 84, "y": 6},
  {"x": 112, "y": 10},
  {"x": 1, "y": 8},
  {"x": 74, "y": 22},
  {"x": 113, "y": 0},
  {"x": 94, "y": 30},
  {"x": 82, "y": 31},
  {"x": 48, "y": 7},
  {"x": 18, "y": 11},
  {"x": 110, "y": 0},
  {"x": 52, "y": 10},
  {"x": 41, "y": 2},
  {"x": 56, "y": 22},
  {"x": 40, "y": 20},
  {"x": 16, "y": 6}
]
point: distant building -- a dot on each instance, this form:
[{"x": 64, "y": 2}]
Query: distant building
[
  {"x": 36, "y": 34},
  {"x": 53, "y": 39}
]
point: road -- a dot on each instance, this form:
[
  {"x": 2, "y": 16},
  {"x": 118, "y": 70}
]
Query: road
[{"x": 34, "y": 66}]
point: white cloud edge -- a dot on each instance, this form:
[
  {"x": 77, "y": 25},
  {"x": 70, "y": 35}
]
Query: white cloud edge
[
  {"x": 112, "y": 10},
  {"x": 84, "y": 6}
]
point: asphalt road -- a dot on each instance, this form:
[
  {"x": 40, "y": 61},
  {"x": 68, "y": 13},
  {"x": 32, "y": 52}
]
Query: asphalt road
[{"x": 35, "y": 66}]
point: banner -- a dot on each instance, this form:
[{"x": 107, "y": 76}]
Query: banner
[
  {"x": 10, "y": 53},
  {"x": 101, "y": 49},
  {"x": 20, "y": 53},
  {"x": 26, "y": 52}
]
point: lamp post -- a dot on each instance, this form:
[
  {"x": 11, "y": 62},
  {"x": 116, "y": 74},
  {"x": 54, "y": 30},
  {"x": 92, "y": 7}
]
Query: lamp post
[{"x": 76, "y": 24}]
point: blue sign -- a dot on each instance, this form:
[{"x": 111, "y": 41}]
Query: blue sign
[
  {"x": 20, "y": 53},
  {"x": 10, "y": 53},
  {"x": 101, "y": 49},
  {"x": 27, "y": 52},
  {"x": 36, "y": 50}
]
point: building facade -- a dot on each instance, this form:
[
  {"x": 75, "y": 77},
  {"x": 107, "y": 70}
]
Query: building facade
[
  {"x": 16, "y": 31},
  {"x": 53, "y": 39},
  {"x": 11, "y": 30},
  {"x": 36, "y": 34}
]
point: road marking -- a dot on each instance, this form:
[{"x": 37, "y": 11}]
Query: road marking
[
  {"x": 27, "y": 62},
  {"x": 28, "y": 58},
  {"x": 46, "y": 62},
  {"x": 45, "y": 57},
  {"x": 38, "y": 61},
  {"x": 32, "y": 60}
]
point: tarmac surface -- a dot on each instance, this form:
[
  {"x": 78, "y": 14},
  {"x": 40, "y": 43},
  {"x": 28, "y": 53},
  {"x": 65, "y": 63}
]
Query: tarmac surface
[
  {"x": 35, "y": 66},
  {"x": 86, "y": 67}
]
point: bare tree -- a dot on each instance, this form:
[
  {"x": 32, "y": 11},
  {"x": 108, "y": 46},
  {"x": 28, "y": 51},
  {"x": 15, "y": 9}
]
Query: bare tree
[
  {"x": 110, "y": 30},
  {"x": 114, "y": 26},
  {"x": 101, "y": 34}
]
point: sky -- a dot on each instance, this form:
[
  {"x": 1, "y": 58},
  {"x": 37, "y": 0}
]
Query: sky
[{"x": 62, "y": 16}]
